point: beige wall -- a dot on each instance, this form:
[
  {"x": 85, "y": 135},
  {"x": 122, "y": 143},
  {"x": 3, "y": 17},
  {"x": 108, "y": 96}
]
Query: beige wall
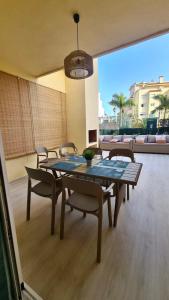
[
  {"x": 76, "y": 112},
  {"x": 55, "y": 81},
  {"x": 92, "y": 102},
  {"x": 82, "y": 108},
  {"x": 16, "y": 167}
]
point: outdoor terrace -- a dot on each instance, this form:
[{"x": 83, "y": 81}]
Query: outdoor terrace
[{"x": 134, "y": 255}]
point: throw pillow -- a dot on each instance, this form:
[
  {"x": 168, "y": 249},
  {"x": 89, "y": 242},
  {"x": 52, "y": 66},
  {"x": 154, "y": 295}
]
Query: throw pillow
[
  {"x": 127, "y": 140},
  {"x": 118, "y": 137},
  {"x": 107, "y": 138},
  {"x": 140, "y": 140},
  {"x": 151, "y": 139},
  {"x": 160, "y": 139},
  {"x": 167, "y": 138},
  {"x": 114, "y": 141}
]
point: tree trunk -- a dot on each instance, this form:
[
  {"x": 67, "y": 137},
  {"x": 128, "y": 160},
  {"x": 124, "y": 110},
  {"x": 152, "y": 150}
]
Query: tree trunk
[
  {"x": 164, "y": 113},
  {"x": 120, "y": 118},
  {"x": 159, "y": 116}
]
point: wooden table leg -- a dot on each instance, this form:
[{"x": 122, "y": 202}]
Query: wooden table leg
[
  {"x": 120, "y": 195},
  {"x": 55, "y": 174}
]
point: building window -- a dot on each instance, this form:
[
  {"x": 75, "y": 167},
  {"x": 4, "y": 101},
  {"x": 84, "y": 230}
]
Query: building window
[{"x": 142, "y": 105}]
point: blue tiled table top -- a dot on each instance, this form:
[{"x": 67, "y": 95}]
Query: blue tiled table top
[
  {"x": 66, "y": 166},
  {"x": 100, "y": 168}
]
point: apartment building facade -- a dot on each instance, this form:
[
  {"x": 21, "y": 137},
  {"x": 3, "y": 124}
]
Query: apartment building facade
[{"x": 143, "y": 96}]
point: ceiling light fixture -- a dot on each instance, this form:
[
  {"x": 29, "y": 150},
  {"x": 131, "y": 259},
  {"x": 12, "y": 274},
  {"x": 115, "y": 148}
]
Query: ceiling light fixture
[{"x": 78, "y": 64}]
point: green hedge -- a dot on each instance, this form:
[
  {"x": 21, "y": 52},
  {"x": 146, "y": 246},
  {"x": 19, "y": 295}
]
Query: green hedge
[{"x": 135, "y": 131}]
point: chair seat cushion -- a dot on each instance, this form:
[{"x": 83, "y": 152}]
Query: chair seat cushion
[
  {"x": 49, "y": 159},
  {"x": 44, "y": 189},
  {"x": 83, "y": 202},
  {"x": 100, "y": 181}
]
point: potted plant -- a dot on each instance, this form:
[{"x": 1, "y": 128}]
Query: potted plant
[{"x": 88, "y": 154}]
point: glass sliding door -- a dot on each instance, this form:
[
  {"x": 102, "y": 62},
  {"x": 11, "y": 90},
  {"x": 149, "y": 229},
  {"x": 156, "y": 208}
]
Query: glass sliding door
[
  {"x": 12, "y": 286},
  {"x": 9, "y": 283}
]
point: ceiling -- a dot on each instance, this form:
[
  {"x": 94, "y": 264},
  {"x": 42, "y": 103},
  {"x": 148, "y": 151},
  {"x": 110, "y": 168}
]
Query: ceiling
[{"x": 35, "y": 36}]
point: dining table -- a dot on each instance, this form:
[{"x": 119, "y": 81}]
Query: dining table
[{"x": 115, "y": 171}]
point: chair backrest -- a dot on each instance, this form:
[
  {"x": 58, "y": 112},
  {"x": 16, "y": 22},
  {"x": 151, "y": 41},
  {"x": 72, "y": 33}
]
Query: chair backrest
[
  {"x": 40, "y": 175},
  {"x": 97, "y": 151},
  {"x": 41, "y": 150},
  {"x": 80, "y": 186},
  {"x": 65, "y": 146},
  {"x": 122, "y": 152}
]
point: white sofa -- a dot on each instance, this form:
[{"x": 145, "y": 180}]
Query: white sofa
[
  {"x": 151, "y": 145},
  {"x": 106, "y": 142},
  {"x": 142, "y": 144}
]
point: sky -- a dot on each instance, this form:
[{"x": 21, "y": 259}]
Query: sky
[{"x": 145, "y": 61}]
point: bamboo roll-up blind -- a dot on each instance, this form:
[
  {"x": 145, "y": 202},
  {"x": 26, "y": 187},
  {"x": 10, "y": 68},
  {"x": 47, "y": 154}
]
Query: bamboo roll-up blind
[
  {"x": 25, "y": 103},
  {"x": 14, "y": 116},
  {"x": 49, "y": 116},
  {"x": 30, "y": 115}
]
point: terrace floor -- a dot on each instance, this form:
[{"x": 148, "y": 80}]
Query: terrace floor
[{"x": 135, "y": 255}]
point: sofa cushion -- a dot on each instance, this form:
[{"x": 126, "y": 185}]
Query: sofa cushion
[
  {"x": 161, "y": 139},
  {"x": 167, "y": 138},
  {"x": 107, "y": 138},
  {"x": 118, "y": 137},
  {"x": 126, "y": 136},
  {"x": 151, "y": 138},
  {"x": 143, "y": 137},
  {"x": 114, "y": 141},
  {"x": 140, "y": 140},
  {"x": 101, "y": 137},
  {"x": 127, "y": 140}
]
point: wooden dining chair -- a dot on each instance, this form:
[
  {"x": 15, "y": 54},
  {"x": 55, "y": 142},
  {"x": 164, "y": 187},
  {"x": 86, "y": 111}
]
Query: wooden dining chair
[
  {"x": 123, "y": 153},
  {"x": 43, "y": 152},
  {"x": 87, "y": 197},
  {"x": 102, "y": 182},
  {"x": 47, "y": 187},
  {"x": 67, "y": 148}
]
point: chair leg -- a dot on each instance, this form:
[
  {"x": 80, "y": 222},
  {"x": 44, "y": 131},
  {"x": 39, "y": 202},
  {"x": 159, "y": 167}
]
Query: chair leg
[
  {"x": 53, "y": 217},
  {"x": 109, "y": 212},
  {"x": 37, "y": 164},
  {"x": 62, "y": 219},
  {"x": 84, "y": 214},
  {"x": 128, "y": 192},
  {"x": 99, "y": 239},
  {"x": 69, "y": 193},
  {"x": 28, "y": 202}
]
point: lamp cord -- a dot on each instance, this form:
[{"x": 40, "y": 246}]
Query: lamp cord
[{"x": 77, "y": 37}]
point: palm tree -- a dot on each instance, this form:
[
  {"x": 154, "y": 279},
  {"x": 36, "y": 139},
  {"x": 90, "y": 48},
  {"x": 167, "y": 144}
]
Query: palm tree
[
  {"x": 120, "y": 101},
  {"x": 139, "y": 123},
  {"x": 163, "y": 106}
]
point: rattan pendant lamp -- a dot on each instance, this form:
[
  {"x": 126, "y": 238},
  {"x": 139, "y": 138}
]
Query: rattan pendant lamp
[{"x": 78, "y": 64}]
